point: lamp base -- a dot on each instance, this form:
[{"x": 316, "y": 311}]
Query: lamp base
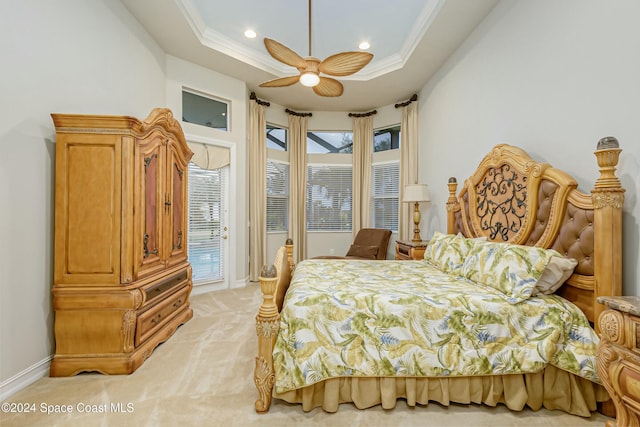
[{"x": 416, "y": 222}]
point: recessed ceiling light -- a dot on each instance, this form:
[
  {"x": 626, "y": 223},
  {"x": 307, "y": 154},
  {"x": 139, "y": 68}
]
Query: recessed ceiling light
[
  {"x": 250, "y": 34},
  {"x": 364, "y": 45}
]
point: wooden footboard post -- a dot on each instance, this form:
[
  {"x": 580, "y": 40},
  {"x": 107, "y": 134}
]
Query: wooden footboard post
[
  {"x": 608, "y": 198},
  {"x": 267, "y": 325},
  {"x": 289, "y": 245}
]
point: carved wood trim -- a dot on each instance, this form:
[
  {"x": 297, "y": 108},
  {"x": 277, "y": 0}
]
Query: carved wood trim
[
  {"x": 611, "y": 322},
  {"x": 264, "y": 379},
  {"x": 604, "y": 199},
  {"x": 267, "y": 327},
  {"x": 128, "y": 329}
]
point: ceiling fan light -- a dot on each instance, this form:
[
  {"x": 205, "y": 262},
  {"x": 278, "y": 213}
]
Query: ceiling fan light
[{"x": 309, "y": 79}]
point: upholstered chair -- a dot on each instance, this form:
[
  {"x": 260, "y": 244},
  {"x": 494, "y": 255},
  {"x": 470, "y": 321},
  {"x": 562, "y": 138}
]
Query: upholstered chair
[{"x": 370, "y": 243}]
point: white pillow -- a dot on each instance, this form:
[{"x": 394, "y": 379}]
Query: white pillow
[{"x": 557, "y": 271}]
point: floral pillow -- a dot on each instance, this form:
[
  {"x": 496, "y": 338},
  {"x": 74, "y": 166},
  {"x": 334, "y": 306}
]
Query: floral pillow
[
  {"x": 514, "y": 270},
  {"x": 448, "y": 251}
]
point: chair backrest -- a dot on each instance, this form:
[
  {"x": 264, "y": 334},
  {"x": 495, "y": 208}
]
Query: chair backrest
[{"x": 374, "y": 237}]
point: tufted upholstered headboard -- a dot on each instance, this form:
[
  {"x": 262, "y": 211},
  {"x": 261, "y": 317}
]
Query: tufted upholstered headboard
[{"x": 512, "y": 198}]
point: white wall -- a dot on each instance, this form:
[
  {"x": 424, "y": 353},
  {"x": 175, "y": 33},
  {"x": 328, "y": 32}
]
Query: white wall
[
  {"x": 67, "y": 56},
  {"x": 551, "y": 77}
]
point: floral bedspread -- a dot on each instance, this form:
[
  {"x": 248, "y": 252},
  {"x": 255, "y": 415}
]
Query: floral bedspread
[{"x": 407, "y": 318}]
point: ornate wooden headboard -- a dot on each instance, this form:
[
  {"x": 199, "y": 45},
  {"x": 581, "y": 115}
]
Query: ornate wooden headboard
[{"x": 512, "y": 198}]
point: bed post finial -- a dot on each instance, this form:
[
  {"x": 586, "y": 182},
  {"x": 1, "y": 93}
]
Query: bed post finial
[
  {"x": 452, "y": 205},
  {"x": 608, "y": 198},
  {"x": 607, "y": 153}
]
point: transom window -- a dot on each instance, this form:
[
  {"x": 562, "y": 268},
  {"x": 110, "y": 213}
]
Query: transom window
[
  {"x": 386, "y": 139},
  {"x": 329, "y": 142},
  {"x": 204, "y": 110},
  {"x": 276, "y": 138}
]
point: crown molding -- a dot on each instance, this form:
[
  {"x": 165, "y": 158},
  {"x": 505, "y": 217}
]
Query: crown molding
[{"x": 263, "y": 61}]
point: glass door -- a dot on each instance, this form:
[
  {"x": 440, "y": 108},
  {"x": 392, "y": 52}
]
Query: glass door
[{"x": 208, "y": 228}]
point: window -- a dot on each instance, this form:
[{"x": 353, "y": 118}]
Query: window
[
  {"x": 277, "y": 179},
  {"x": 329, "y": 198},
  {"x": 386, "y": 139},
  {"x": 204, "y": 110},
  {"x": 329, "y": 142},
  {"x": 384, "y": 195},
  {"x": 206, "y": 216},
  {"x": 276, "y": 138},
  {"x": 277, "y": 196}
]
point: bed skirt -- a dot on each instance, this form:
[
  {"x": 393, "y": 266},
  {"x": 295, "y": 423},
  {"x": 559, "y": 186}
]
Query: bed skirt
[{"x": 553, "y": 389}]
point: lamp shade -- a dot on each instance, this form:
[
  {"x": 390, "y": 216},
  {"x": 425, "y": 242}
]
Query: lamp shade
[{"x": 416, "y": 193}]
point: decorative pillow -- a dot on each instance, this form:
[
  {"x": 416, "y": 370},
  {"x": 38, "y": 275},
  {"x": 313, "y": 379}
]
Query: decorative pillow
[
  {"x": 557, "y": 272},
  {"x": 361, "y": 251},
  {"x": 433, "y": 247},
  {"x": 448, "y": 251},
  {"x": 511, "y": 269}
]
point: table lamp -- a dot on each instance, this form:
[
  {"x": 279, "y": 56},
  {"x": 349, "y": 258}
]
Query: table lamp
[{"x": 416, "y": 193}]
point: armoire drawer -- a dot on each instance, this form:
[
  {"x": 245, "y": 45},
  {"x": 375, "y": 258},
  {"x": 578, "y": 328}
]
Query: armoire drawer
[
  {"x": 163, "y": 288},
  {"x": 154, "y": 318}
]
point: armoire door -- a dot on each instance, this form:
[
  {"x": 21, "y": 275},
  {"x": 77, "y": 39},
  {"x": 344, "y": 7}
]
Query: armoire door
[
  {"x": 176, "y": 226},
  {"x": 150, "y": 199}
]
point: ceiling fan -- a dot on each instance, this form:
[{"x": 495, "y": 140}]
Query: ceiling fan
[{"x": 340, "y": 64}]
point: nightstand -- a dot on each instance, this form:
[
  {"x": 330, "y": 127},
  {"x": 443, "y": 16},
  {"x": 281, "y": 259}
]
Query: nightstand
[
  {"x": 410, "y": 250},
  {"x": 618, "y": 357}
]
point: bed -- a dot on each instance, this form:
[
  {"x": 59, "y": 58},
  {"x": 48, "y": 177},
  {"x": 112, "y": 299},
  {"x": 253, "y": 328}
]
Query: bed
[{"x": 472, "y": 323}]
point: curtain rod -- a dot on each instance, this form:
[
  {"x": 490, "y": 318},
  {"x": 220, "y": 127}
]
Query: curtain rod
[
  {"x": 404, "y": 104},
  {"x": 295, "y": 113},
  {"x": 370, "y": 113},
  {"x": 259, "y": 101}
]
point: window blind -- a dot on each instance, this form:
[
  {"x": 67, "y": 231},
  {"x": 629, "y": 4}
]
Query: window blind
[
  {"x": 329, "y": 197},
  {"x": 277, "y": 196},
  {"x": 206, "y": 217},
  {"x": 384, "y": 195}
]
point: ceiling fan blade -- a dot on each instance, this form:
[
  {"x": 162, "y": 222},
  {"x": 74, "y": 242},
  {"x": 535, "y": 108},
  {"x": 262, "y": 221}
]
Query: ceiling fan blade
[
  {"x": 328, "y": 87},
  {"x": 284, "y": 54},
  {"x": 345, "y": 63},
  {"x": 281, "y": 82}
]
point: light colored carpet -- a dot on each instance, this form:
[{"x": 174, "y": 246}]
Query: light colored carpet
[{"x": 203, "y": 376}]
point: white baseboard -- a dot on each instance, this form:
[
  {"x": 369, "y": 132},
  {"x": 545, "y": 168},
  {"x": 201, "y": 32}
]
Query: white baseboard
[
  {"x": 22, "y": 379},
  {"x": 218, "y": 286},
  {"x": 203, "y": 289},
  {"x": 240, "y": 283}
]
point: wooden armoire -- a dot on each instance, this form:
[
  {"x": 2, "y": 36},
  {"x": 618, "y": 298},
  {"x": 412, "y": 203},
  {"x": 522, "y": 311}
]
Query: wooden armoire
[{"x": 121, "y": 275}]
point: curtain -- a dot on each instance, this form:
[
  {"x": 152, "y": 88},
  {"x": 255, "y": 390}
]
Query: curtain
[
  {"x": 298, "y": 185},
  {"x": 209, "y": 157},
  {"x": 408, "y": 165},
  {"x": 361, "y": 187},
  {"x": 257, "y": 189}
]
